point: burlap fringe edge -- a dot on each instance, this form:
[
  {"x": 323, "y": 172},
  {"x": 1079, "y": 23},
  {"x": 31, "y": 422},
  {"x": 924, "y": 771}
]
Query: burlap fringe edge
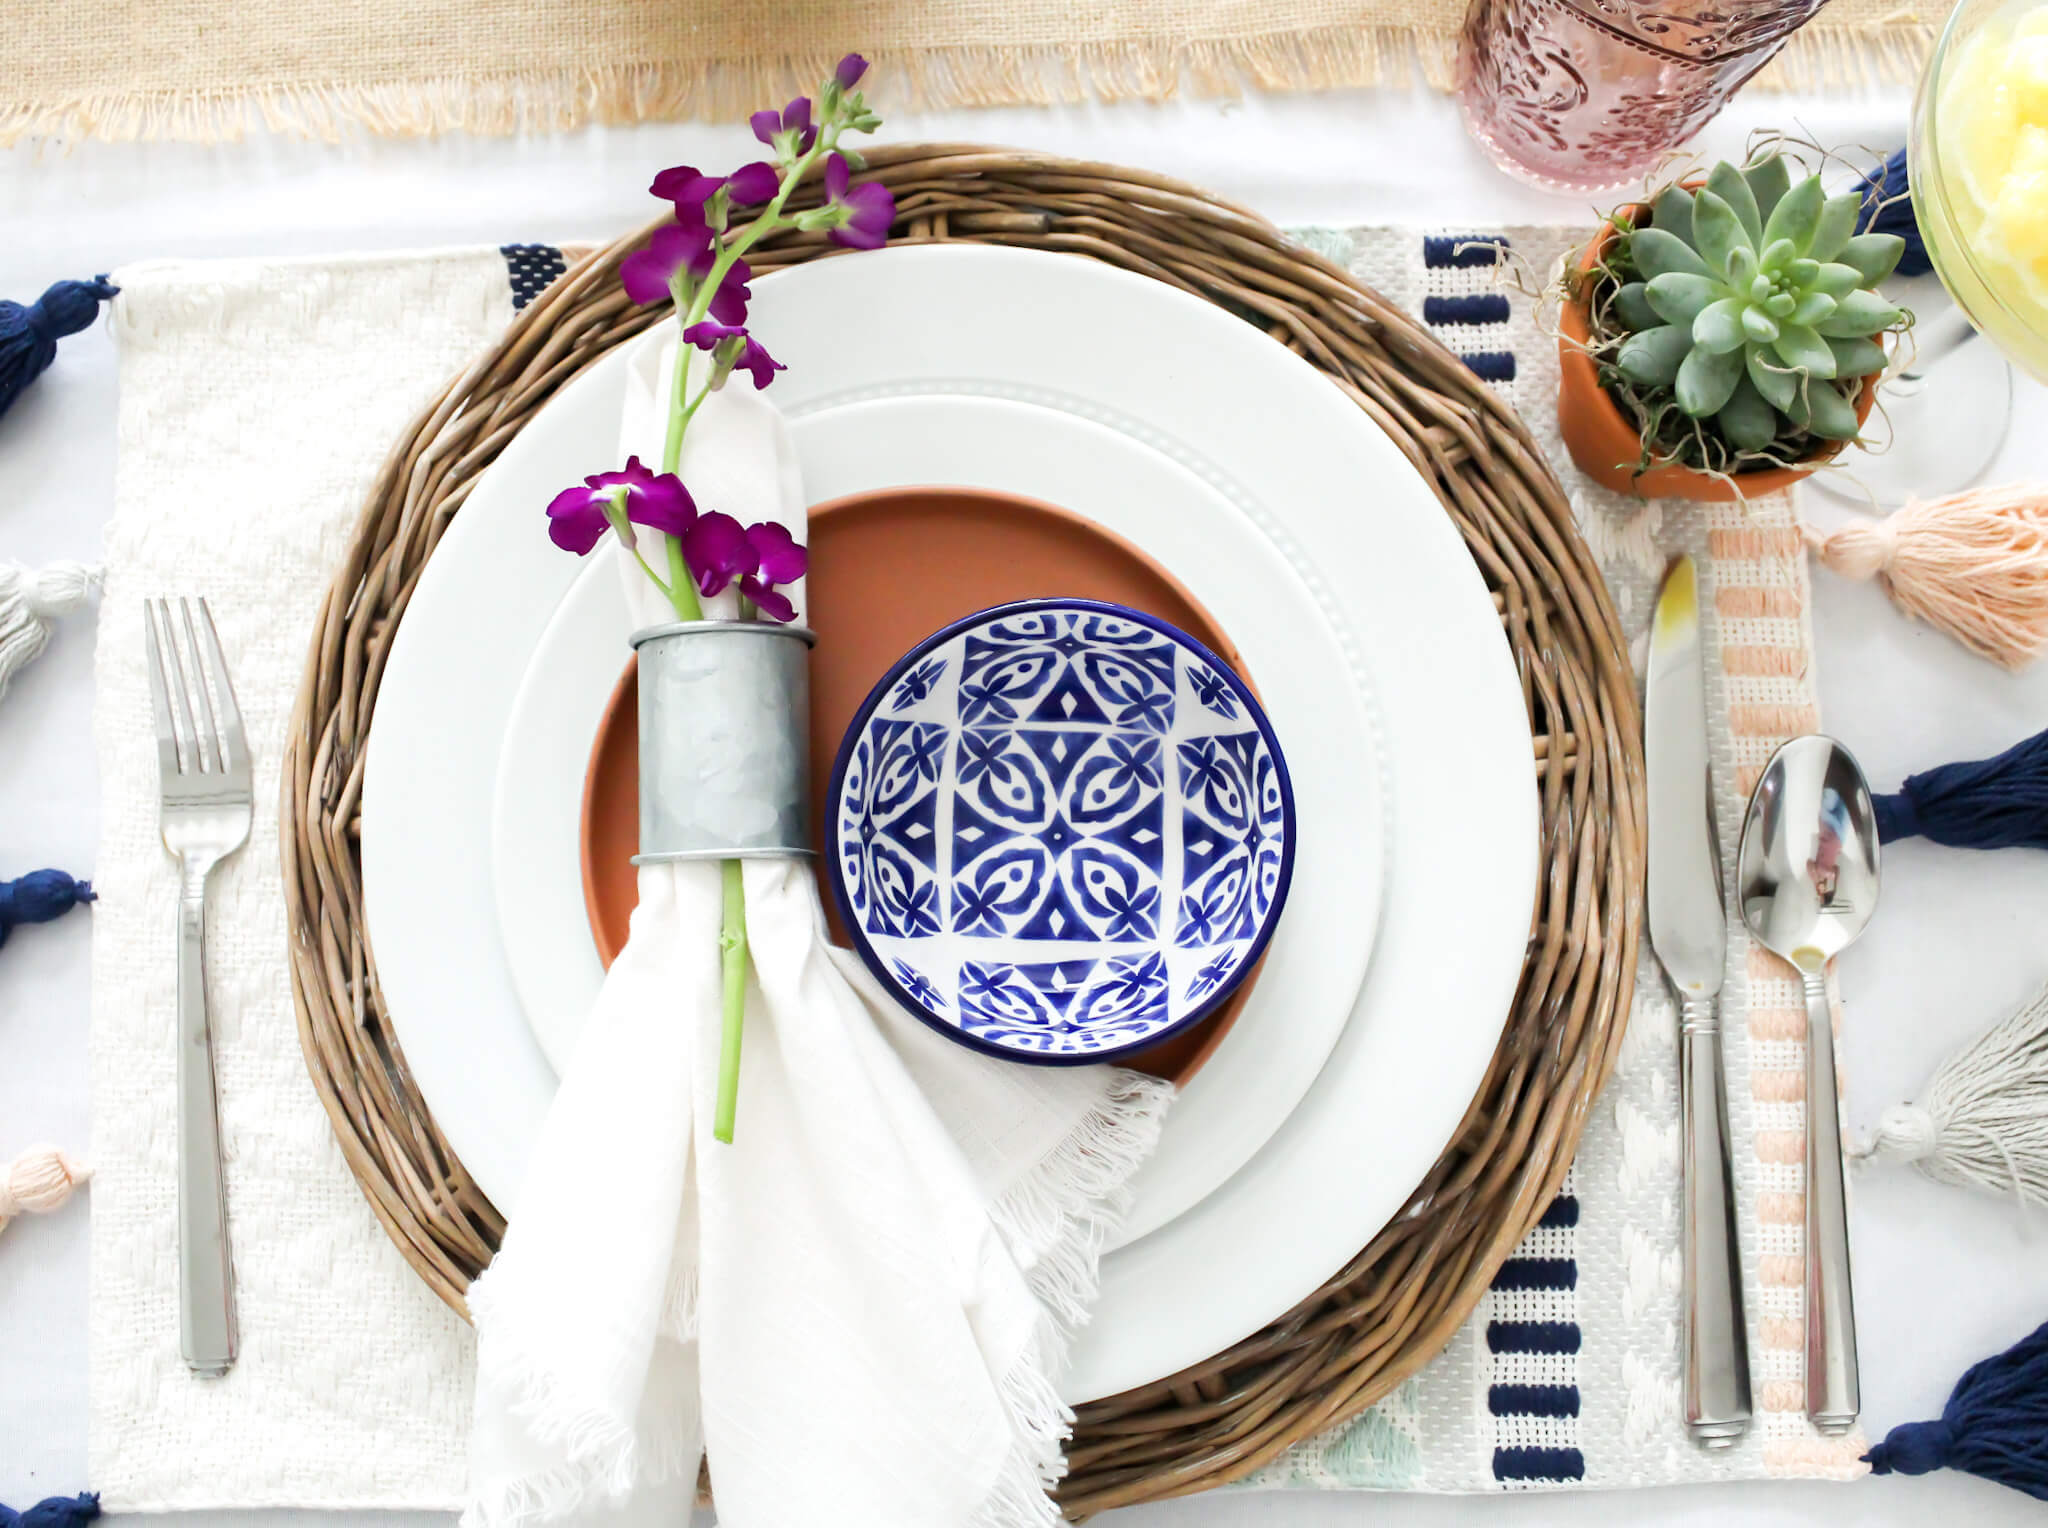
[{"x": 1886, "y": 52}]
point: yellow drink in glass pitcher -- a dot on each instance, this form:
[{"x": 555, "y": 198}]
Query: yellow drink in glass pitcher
[{"x": 1979, "y": 168}]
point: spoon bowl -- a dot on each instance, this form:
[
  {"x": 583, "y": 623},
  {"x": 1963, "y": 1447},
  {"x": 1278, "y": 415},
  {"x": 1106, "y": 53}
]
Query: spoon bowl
[
  {"x": 1807, "y": 882},
  {"x": 1807, "y": 871}
]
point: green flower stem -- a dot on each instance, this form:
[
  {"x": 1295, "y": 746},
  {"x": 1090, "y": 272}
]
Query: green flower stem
[
  {"x": 767, "y": 222},
  {"x": 653, "y": 577},
  {"x": 682, "y": 588},
  {"x": 732, "y": 939},
  {"x": 732, "y": 957}
]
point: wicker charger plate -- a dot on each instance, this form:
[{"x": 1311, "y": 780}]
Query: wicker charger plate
[{"x": 1395, "y": 1305}]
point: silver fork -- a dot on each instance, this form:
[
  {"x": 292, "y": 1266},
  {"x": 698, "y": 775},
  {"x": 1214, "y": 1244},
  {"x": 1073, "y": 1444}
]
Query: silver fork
[{"x": 203, "y": 767}]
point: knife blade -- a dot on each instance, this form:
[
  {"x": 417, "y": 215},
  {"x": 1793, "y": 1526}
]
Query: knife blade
[
  {"x": 1689, "y": 932},
  {"x": 1688, "y": 924}
]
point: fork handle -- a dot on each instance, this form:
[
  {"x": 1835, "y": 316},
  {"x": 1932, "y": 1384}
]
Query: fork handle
[{"x": 206, "y": 1286}]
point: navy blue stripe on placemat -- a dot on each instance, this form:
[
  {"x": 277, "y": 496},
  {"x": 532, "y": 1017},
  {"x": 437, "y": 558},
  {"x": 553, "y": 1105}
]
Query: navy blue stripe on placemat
[
  {"x": 1563, "y": 1211},
  {"x": 531, "y": 268},
  {"x": 1538, "y": 1464},
  {"x": 1533, "y": 1400},
  {"x": 1532, "y": 1336},
  {"x": 1533, "y": 1341},
  {"x": 1442, "y": 256},
  {"x": 1457, "y": 250},
  {"x": 1537, "y": 1273},
  {"x": 1472, "y": 308}
]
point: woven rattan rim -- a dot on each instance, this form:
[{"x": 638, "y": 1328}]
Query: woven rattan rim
[{"x": 1396, "y": 1304}]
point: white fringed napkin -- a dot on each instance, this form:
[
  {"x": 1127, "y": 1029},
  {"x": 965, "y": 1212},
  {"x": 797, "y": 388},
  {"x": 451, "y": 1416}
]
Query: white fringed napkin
[{"x": 859, "y": 1308}]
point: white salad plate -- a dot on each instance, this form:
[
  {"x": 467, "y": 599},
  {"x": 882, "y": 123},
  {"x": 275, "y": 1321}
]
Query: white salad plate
[
  {"x": 1304, "y": 995},
  {"x": 1360, "y": 530}
]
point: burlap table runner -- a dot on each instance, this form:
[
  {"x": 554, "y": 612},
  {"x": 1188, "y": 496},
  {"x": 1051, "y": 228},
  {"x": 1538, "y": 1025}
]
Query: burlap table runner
[{"x": 206, "y": 70}]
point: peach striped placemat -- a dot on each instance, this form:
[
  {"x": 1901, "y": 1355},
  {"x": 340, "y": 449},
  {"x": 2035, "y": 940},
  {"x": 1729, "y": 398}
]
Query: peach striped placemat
[{"x": 1568, "y": 1375}]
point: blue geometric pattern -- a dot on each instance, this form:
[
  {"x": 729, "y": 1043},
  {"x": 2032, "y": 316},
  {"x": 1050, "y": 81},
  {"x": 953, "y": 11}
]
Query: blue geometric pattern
[
  {"x": 890, "y": 858},
  {"x": 1232, "y": 837},
  {"x": 919, "y": 986},
  {"x": 1068, "y": 667},
  {"x": 917, "y": 685},
  {"x": 1072, "y": 1005},
  {"x": 1057, "y": 834},
  {"x": 1059, "y": 831},
  {"x": 1211, "y": 691}
]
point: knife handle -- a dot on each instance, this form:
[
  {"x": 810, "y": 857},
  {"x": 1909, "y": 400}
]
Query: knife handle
[
  {"x": 1717, "y": 1398},
  {"x": 1833, "y": 1395}
]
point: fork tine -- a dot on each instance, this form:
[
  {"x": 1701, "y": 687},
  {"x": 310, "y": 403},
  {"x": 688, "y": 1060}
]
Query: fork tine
[
  {"x": 160, "y": 695},
  {"x": 227, "y": 716},
  {"x": 189, "y": 735},
  {"x": 204, "y": 715}
]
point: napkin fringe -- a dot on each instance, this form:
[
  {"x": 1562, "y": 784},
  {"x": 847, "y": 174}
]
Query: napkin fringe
[
  {"x": 1040, "y": 1423},
  {"x": 1055, "y": 1222},
  {"x": 604, "y": 1462}
]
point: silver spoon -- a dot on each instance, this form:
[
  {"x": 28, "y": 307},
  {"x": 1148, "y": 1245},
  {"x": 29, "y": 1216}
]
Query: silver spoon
[{"x": 1808, "y": 885}]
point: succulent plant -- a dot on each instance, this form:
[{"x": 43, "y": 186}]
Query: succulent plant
[{"x": 1747, "y": 297}]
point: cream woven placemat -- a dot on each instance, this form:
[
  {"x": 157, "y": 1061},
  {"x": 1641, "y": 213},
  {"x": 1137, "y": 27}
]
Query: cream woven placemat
[
  {"x": 353, "y": 1386},
  {"x": 207, "y": 70}
]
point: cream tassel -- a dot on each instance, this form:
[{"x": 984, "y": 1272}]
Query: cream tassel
[
  {"x": 30, "y": 603},
  {"x": 1984, "y": 1120},
  {"x": 1974, "y": 565},
  {"x": 39, "y": 1180}
]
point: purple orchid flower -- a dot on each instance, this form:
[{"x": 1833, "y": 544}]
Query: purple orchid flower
[
  {"x": 740, "y": 352},
  {"x": 789, "y": 132},
  {"x": 850, "y": 69},
  {"x": 868, "y": 208},
  {"x": 689, "y": 189},
  {"x": 647, "y": 273},
  {"x": 779, "y": 560},
  {"x": 578, "y": 517},
  {"x": 717, "y": 550}
]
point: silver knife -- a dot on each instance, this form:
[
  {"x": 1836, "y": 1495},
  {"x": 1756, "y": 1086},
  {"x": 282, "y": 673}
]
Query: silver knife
[{"x": 1689, "y": 932}]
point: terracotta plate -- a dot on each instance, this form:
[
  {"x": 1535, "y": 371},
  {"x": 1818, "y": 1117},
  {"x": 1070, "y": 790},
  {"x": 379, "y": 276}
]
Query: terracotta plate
[{"x": 892, "y": 567}]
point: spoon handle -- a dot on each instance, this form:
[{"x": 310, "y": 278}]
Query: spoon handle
[
  {"x": 1717, "y": 1396},
  {"x": 1833, "y": 1394}
]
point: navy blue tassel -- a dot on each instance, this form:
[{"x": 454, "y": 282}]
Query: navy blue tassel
[
  {"x": 1888, "y": 184},
  {"x": 1995, "y": 1424},
  {"x": 38, "y": 897},
  {"x": 1999, "y": 803},
  {"x": 28, "y": 336},
  {"x": 57, "y": 1512}
]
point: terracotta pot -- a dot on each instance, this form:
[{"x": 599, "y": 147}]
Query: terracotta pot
[{"x": 1607, "y": 447}]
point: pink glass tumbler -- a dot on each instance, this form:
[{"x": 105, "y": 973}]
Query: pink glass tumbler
[{"x": 1586, "y": 95}]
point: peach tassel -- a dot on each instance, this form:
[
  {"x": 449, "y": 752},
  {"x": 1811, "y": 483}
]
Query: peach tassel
[
  {"x": 1974, "y": 565},
  {"x": 40, "y": 1179}
]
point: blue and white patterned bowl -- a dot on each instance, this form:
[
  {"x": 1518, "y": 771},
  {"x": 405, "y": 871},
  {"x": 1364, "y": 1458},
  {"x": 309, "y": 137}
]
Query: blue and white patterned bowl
[{"x": 1062, "y": 831}]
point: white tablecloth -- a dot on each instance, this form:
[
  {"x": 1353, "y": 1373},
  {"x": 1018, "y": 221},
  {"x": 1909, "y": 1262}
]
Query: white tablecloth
[{"x": 1943, "y": 1278}]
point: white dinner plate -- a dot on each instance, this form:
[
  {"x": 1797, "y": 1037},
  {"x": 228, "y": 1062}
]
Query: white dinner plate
[
  {"x": 1316, "y": 704},
  {"x": 1362, "y": 531}
]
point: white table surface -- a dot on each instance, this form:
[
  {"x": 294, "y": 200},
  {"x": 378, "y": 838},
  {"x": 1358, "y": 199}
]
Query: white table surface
[{"x": 1943, "y": 1277}]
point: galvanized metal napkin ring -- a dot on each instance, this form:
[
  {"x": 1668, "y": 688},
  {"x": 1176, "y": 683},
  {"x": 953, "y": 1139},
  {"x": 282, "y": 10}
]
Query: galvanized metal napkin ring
[{"x": 724, "y": 741}]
